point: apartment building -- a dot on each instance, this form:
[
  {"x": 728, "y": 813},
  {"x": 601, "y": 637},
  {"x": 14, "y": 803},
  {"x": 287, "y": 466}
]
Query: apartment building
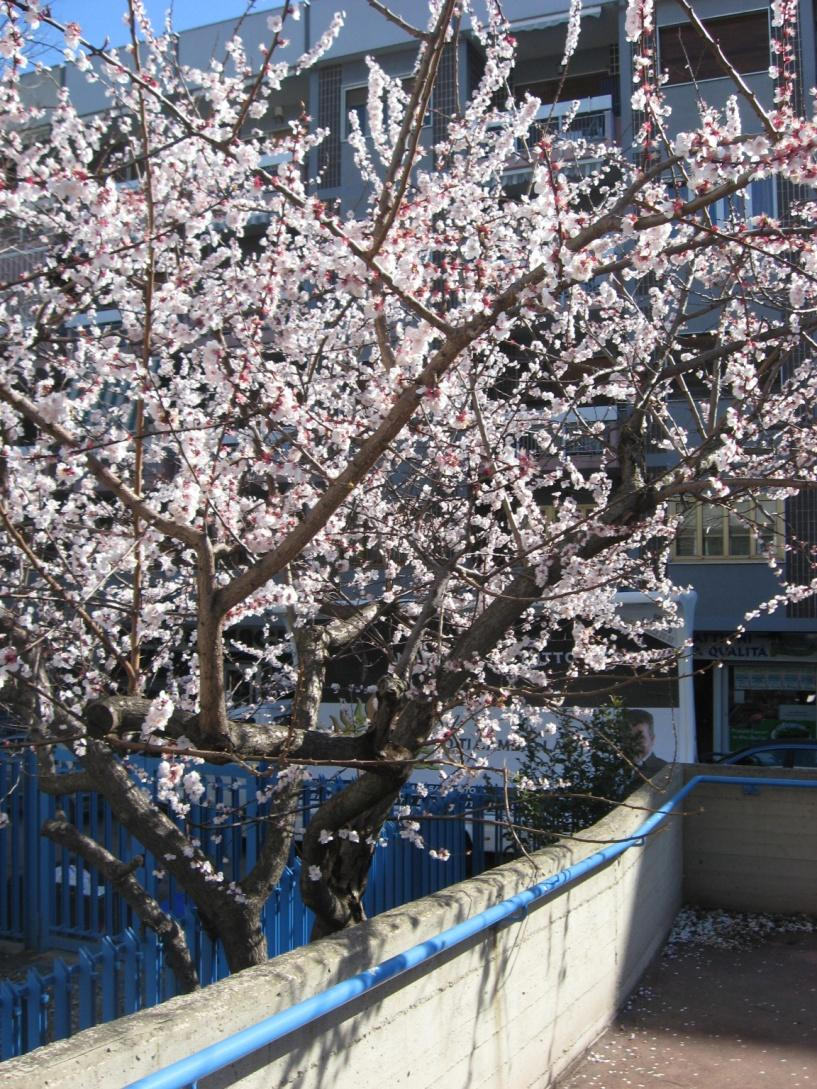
[{"x": 763, "y": 683}]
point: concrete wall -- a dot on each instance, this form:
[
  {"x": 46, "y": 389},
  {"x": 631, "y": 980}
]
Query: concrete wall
[
  {"x": 751, "y": 849},
  {"x": 511, "y": 1010}
]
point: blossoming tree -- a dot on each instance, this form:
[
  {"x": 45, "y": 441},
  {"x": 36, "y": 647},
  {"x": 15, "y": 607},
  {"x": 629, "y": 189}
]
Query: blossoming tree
[{"x": 227, "y": 406}]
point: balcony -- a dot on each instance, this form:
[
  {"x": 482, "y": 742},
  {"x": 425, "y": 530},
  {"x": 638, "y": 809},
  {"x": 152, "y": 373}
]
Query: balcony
[
  {"x": 577, "y": 131},
  {"x": 585, "y": 435}
]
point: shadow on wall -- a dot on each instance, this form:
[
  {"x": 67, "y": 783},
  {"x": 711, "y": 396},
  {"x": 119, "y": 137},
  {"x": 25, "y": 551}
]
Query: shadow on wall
[{"x": 517, "y": 1004}]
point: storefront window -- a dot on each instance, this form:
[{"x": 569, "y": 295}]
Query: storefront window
[{"x": 771, "y": 702}]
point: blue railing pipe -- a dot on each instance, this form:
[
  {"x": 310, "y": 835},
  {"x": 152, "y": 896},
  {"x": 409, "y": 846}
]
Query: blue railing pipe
[{"x": 187, "y": 1071}]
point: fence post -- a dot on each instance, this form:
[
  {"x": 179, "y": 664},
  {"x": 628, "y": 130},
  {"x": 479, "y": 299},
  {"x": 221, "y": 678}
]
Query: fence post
[
  {"x": 86, "y": 975},
  {"x": 46, "y": 807},
  {"x": 151, "y": 969},
  {"x": 131, "y": 965},
  {"x": 107, "y": 955},
  {"x": 31, "y": 865},
  {"x": 37, "y": 906},
  {"x": 34, "y": 1004},
  {"x": 9, "y": 1023},
  {"x": 62, "y": 999}
]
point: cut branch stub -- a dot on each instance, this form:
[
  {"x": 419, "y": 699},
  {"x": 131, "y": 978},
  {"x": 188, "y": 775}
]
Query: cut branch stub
[{"x": 124, "y": 716}]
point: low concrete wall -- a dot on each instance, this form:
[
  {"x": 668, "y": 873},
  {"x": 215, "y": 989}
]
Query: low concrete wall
[
  {"x": 510, "y": 1010},
  {"x": 751, "y": 849}
]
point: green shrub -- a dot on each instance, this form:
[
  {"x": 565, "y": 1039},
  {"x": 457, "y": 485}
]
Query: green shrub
[{"x": 571, "y": 779}]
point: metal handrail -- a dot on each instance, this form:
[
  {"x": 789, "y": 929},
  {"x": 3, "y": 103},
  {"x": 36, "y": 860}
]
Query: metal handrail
[{"x": 185, "y": 1072}]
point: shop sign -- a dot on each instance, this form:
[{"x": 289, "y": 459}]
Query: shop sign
[
  {"x": 780, "y": 678},
  {"x": 721, "y": 647}
]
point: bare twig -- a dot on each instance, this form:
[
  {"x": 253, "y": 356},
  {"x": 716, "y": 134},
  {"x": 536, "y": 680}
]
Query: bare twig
[
  {"x": 729, "y": 69},
  {"x": 393, "y": 17}
]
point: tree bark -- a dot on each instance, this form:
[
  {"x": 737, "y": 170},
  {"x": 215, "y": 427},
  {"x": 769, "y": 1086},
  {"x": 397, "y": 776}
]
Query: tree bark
[
  {"x": 335, "y": 871},
  {"x": 224, "y": 913},
  {"x": 123, "y": 716}
]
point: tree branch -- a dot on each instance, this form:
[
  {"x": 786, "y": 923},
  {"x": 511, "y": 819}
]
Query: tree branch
[
  {"x": 393, "y": 17},
  {"x": 121, "y": 877},
  {"x": 729, "y": 69},
  {"x": 405, "y": 148},
  {"x": 60, "y": 590},
  {"x": 332, "y": 863},
  {"x": 122, "y": 716},
  {"x": 279, "y": 829}
]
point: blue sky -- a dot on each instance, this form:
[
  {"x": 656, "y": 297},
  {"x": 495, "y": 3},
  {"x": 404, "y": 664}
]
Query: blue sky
[{"x": 101, "y": 18}]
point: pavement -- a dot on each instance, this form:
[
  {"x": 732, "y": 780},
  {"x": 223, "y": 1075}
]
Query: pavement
[{"x": 731, "y": 1003}]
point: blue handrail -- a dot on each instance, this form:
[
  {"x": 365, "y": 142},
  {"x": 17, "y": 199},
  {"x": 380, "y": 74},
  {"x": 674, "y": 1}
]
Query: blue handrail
[{"x": 187, "y": 1071}]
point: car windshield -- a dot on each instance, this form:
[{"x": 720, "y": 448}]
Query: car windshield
[{"x": 779, "y": 756}]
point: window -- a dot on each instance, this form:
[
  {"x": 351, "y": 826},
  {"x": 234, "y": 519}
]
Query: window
[
  {"x": 329, "y": 99},
  {"x": 356, "y": 99},
  {"x": 750, "y": 531},
  {"x": 801, "y": 518},
  {"x": 772, "y": 702},
  {"x": 687, "y": 58},
  {"x": 591, "y": 121},
  {"x": 759, "y": 198},
  {"x": 584, "y": 430},
  {"x": 122, "y": 162}
]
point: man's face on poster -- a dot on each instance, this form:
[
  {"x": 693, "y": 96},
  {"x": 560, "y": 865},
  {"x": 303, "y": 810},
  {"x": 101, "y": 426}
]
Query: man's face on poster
[{"x": 643, "y": 738}]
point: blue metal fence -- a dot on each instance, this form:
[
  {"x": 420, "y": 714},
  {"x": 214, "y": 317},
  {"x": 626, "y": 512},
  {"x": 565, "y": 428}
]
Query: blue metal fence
[
  {"x": 53, "y": 900},
  {"x": 112, "y": 979}
]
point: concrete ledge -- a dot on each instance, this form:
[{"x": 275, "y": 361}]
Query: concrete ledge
[{"x": 511, "y": 1009}]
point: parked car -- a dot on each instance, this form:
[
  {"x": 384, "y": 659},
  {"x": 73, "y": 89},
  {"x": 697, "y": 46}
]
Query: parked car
[
  {"x": 788, "y": 753},
  {"x": 266, "y": 713}
]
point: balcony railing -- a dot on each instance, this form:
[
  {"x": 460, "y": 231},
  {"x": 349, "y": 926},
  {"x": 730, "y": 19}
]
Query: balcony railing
[
  {"x": 583, "y": 431},
  {"x": 576, "y": 130}
]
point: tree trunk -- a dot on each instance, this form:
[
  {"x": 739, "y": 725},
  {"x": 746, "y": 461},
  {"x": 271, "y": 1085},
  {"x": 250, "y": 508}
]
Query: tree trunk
[
  {"x": 238, "y": 927},
  {"x": 336, "y": 869}
]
